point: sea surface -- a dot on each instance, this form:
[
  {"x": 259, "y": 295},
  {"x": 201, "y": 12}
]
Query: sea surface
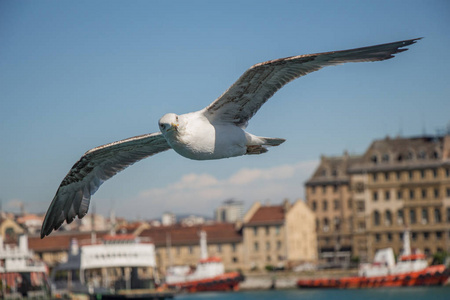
[{"x": 407, "y": 293}]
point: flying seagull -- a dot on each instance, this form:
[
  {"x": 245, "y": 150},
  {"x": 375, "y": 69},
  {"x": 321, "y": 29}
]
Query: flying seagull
[{"x": 214, "y": 132}]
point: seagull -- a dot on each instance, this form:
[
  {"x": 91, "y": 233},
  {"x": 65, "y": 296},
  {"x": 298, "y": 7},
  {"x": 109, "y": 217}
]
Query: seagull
[{"x": 214, "y": 132}]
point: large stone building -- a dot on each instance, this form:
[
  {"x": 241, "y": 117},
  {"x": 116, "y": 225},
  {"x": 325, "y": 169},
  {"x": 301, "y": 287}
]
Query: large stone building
[{"x": 396, "y": 184}]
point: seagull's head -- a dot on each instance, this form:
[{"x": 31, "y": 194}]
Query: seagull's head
[{"x": 169, "y": 123}]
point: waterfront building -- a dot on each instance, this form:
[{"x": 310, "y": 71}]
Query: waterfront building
[
  {"x": 329, "y": 196},
  {"x": 396, "y": 184},
  {"x": 278, "y": 236},
  {"x": 179, "y": 245}
]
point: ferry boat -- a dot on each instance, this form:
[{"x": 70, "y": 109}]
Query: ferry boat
[
  {"x": 209, "y": 274},
  {"x": 115, "y": 266},
  {"x": 412, "y": 269},
  {"x": 21, "y": 276}
]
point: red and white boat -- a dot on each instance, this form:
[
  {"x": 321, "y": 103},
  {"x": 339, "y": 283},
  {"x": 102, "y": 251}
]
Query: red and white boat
[
  {"x": 411, "y": 269},
  {"x": 209, "y": 274}
]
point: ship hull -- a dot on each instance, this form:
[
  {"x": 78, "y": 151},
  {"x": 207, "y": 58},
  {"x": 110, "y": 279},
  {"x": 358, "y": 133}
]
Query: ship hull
[
  {"x": 225, "y": 282},
  {"x": 431, "y": 276}
]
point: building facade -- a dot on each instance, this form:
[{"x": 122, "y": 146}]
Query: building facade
[
  {"x": 396, "y": 184},
  {"x": 278, "y": 235}
]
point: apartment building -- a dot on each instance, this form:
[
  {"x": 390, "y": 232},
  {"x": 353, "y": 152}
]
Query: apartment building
[
  {"x": 396, "y": 184},
  {"x": 329, "y": 195},
  {"x": 279, "y": 235}
]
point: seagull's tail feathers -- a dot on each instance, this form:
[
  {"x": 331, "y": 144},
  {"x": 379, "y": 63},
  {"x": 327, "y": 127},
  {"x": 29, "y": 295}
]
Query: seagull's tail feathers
[{"x": 256, "y": 144}]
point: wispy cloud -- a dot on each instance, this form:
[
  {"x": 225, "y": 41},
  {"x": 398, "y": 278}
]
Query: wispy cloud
[{"x": 202, "y": 193}]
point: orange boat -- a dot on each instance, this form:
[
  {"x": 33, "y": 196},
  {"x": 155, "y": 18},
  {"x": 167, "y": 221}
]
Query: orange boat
[
  {"x": 410, "y": 270},
  {"x": 209, "y": 274},
  {"x": 433, "y": 275}
]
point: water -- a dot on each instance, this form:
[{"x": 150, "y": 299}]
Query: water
[{"x": 410, "y": 293}]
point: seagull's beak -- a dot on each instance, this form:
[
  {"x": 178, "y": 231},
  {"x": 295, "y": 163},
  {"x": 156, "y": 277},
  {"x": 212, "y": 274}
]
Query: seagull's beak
[{"x": 173, "y": 126}]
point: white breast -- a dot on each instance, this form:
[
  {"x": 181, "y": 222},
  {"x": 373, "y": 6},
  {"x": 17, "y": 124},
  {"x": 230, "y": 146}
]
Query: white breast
[{"x": 201, "y": 140}]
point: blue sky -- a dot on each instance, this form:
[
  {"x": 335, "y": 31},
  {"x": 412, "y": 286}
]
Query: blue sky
[{"x": 78, "y": 74}]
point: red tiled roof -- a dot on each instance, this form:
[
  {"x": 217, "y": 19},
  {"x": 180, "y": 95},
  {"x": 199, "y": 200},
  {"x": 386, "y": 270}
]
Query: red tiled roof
[
  {"x": 267, "y": 215},
  {"x": 189, "y": 235},
  {"x": 60, "y": 241}
]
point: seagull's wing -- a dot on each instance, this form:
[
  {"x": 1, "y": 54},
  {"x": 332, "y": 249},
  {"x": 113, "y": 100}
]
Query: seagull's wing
[
  {"x": 243, "y": 99},
  {"x": 94, "y": 167}
]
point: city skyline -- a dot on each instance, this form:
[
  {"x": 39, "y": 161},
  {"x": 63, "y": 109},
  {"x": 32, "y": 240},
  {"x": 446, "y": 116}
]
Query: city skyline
[{"x": 78, "y": 75}]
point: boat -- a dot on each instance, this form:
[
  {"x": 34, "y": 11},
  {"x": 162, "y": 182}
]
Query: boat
[
  {"x": 208, "y": 275},
  {"x": 115, "y": 267},
  {"x": 411, "y": 269},
  {"x": 21, "y": 276}
]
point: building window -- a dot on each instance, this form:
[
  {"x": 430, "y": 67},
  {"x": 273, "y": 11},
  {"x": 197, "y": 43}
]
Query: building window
[
  {"x": 219, "y": 248},
  {"x": 438, "y": 235},
  {"x": 448, "y": 214},
  {"x": 278, "y": 245},
  {"x": 374, "y": 177},
  {"x": 389, "y": 237},
  {"x": 268, "y": 257},
  {"x": 374, "y": 159},
  {"x": 375, "y": 196},
  {"x": 335, "y": 188},
  {"x": 377, "y": 237},
  {"x": 436, "y": 193},
  {"x": 267, "y": 246},
  {"x": 410, "y": 175},
  {"x": 325, "y": 205},
  {"x": 411, "y": 194},
  {"x": 337, "y": 223},
  {"x": 324, "y": 189},
  {"x": 317, "y": 224},
  {"x": 387, "y": 195},
  {"x": 437, "y": 215},
  {"x": 233, "y": 247},
  {"x": 424, "y": 216},
  {"x": 313, "y": 189},
  {"x": 255, "y": 246},
  {"x": 386, "y": 176},
  {"x": 191, "y": 249},
  {"x": 447, "y": 172},
  {"x": 360, "y": 206},
  {"x": 434, "y": 173},
  {"x": 385, "y": 157},
  {"x": 388, "y": 217},
  {"x": 235, "y": 259},
  {"x": 412, "y": 216},
  {"x": 448, "y": 192},
  {"x": 400, "y": 217},
  {"x": 314, "y": 205},
  {"x": 376, "y": 218},
  {"x": 267, "y": 230},
  {"x": 399, "y": 175},
  {"x": 422, "y": 173},
  {"x": 399, "y": 195},
  {"x": 325, "y": 224},
  {"x": 421, "y": 155},
  {"x": 277, "y": 229},
  {"x": 255, "y": 231},
  {"x": 336, "y": 204},
  {"x": 424, "y": 193},
  {"x": 414, "y": 236},
  {"x": 426, "y": 235}
]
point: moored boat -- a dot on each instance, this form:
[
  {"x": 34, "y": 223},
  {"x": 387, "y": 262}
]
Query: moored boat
[
  {"x": 209, "y": 274},
  {"x": 21, "y": 276},
  {"x": 410, "y": 270}
]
